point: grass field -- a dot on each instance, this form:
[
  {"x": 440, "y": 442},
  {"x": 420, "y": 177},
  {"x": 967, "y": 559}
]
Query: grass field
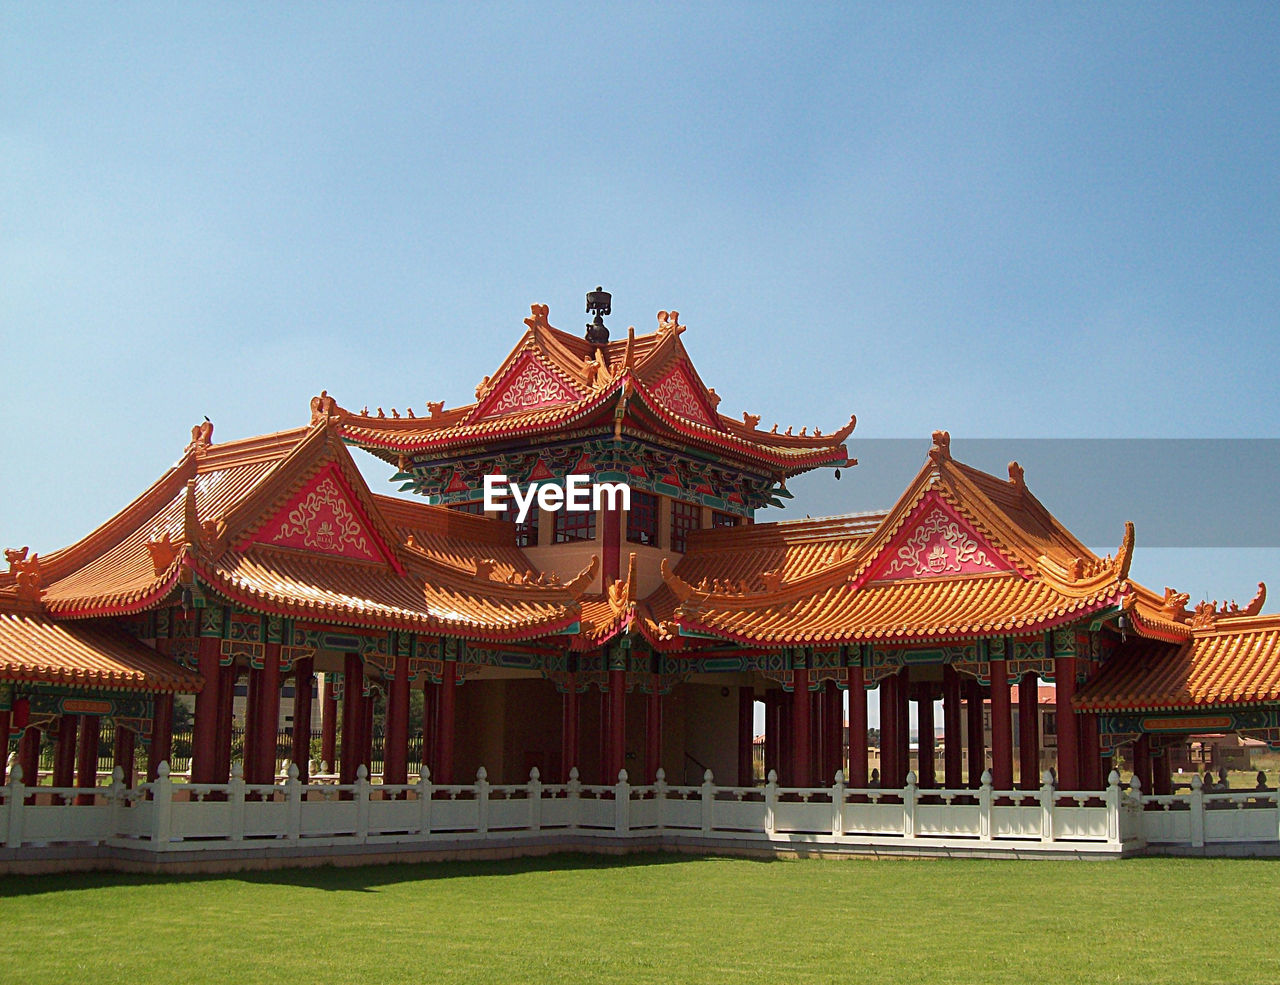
[{"x": 659, "y": 918}]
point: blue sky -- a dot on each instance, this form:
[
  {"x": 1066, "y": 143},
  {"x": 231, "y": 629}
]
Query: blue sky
[{"x": 1012, "y": 221}]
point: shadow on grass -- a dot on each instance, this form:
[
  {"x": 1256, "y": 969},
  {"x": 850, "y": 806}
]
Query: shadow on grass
[{"x": 358, "y": 878}]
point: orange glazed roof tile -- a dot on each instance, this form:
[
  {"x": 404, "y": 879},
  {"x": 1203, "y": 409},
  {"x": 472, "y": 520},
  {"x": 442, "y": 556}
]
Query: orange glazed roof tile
[
  {"x": 1235, "y": 662},
  {"x": 822, "y": 581},
  {"x": 645, "y": 382},
  {"x": 35, "y": 649},
  {"x": 207, "y": 516}
]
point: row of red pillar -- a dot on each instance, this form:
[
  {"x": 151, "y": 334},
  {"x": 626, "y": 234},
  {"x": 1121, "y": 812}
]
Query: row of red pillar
[
  {"x": 76, "y": 745},
  {"x": 803, "y": 725}
]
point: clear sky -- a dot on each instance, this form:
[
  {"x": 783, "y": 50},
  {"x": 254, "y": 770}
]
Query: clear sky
[{"x": 1013, "y": 221}]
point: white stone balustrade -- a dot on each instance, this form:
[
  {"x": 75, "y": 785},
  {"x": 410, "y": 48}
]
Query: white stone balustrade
[{"x": 166, "y": 817}]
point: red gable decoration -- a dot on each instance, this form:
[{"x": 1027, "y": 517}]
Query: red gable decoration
[
  {"x": 529, "y": 385},
  {"x": 322, "y": 518},
  {"x": 936, "y": 543},
  {"x": 679, "y": 394}
]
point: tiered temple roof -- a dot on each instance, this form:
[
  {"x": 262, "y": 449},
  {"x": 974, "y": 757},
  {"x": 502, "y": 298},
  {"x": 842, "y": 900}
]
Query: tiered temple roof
[{"x": 556, "y": 382}]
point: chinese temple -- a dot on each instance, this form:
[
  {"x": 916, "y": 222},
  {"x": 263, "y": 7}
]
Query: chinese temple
[{"x": 636, "y": 639}]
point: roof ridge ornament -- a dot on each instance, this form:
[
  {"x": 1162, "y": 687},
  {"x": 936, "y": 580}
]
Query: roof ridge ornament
[
  {"x": 1207, "y": 613},
  {"x": 538, "y": 316},
  {"x": 27, "y": 575},
  {"x": 941, "y": 450},
  {"x": 1017, "y": 476},
  {"x": 325, "y": 410},
  {"x": 162, "y": 550},
  {"x": 669, "y": 323},
  {"x": 201, "y": 438},
  {"x": 15, "y": 556}
]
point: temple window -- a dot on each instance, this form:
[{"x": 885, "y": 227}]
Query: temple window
[
  {"x": 574, "y": 525},
  {"x": 684, "y": 518},
  {"x": 527, "y": 532},
  {"x": 1050, "y": 723},
  {"x": 719, "y": 519},
  {"x": 476, "y": 507},
  {"x": 642, "y": 519}
]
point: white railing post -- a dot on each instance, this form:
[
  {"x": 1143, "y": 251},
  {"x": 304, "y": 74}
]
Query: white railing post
[
  {"x": 909, "y": 795},
  {"x": 1046, "y": 806},
  {"x": 660, "y": 797},
  {"x": 482, "y": 800},
  {"x": 1114, "y": 798},
  {"x": 115, "y": 800},
  {"x": 708, "y": 801},
  {"x": 984, "y": 807},
  {"x": 424, "y": 801},
  {"x": 162, "y": 818},
  {"x": 837, "y": 806},
  {"x": 771, "y": 804},
  {"x": 362, "y": 803},
  {"x": 13, "y": 807},
  {"x": 535, "y": 799},
  {"x": 1197, "y": 811},
  {"x": 235, "y": 795},
  {"x": 622, "y": 805},
  {"x": 573, "y": 793},
  {"x": 293, "y": 791}
]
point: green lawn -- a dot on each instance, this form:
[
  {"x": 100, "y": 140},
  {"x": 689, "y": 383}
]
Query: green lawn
[{"x": 655, "y": 919}]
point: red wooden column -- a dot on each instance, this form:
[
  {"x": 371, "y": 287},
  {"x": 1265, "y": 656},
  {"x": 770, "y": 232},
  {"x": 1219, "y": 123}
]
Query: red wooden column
[
  {"x": 29, "y": 755},
  {"x": 834, "y": 717},
  {"x": 329, "y": 723},
  {"x": 122, "y": 753},
  {"x": 366, "y": 732},
  {"x": 1161, "y": 771},
  {"x": 249, "y": 744},
  {"x": 228, "y": 680},
  {"x": 395, "y": 755},
  {"x": 953, "y": 743},
  {"x": 801, "y": 750},
  {"x": 204, "y": 740},
  {"x": 889, "y": 764},
  {"x": 352, "y": 712},
  {"x": 64, "y": 752},
  {"x": 602, "y": 739},
  {"x": 975, "y": 726},
  {"x": 1142, "y": 762},
  {"x": 1029, "y": 731},
  {"x": 904, "y": 724},
  {"x": 6, "y": 716},
  {"x": 653, "y": 732},
  {"x": 303, "y": 679},
  {"x": 445, "y": 716},
  {"x": 1064, "y": 679},
  {"x": 610, "y": 551},
  {"x": 570, "y": 716},
  {"x": 857, "y": 729},
  {"x": 1001, "y": 727},
  {"x": 746, "y": 736},
  {"x": 161, "y": 750},
  {"x": 617, "y": 724},
  {"x": 1091, "y": 773},
  {"x": 927, "y": 775},
  {"x": 87, "y": 756},
  {"x": 268, "y": 711}
]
